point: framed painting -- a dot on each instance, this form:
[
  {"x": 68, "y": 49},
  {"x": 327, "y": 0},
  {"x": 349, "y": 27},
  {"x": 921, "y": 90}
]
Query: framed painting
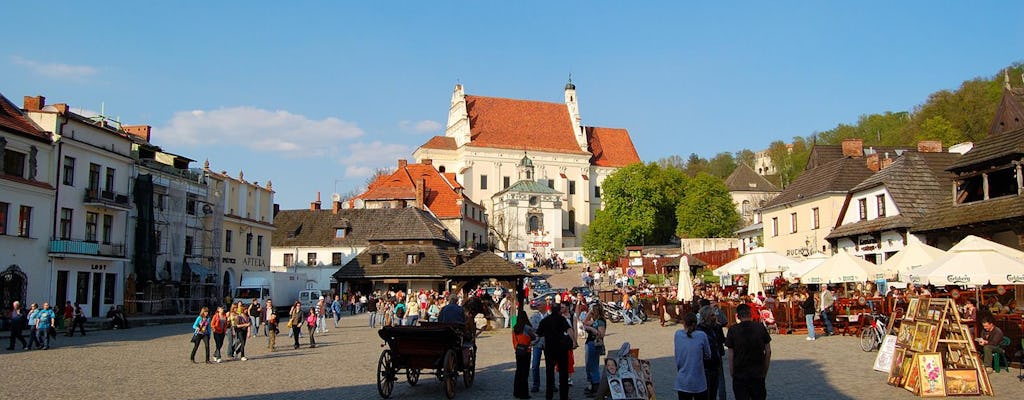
[
  {"x": 906, "y": 334},
  {"x": 911, "y": 310},
  {"x": 896, "y": 370},
  {"x": 911, "y": 375},
  {"x": 922, "y": 335},
  {"x": 962, "y": 382},
  {"x": 931, "y": 375},
  {"x": 922, "y": 309}
]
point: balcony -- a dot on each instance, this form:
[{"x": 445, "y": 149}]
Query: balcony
[
  {"x": 87, "y": 248},
  {"x": 107, "y": 199}
]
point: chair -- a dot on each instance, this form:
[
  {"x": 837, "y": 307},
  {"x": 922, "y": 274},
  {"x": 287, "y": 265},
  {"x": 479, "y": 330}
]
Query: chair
[
  {"x": 768, "y": 319},
  {"x": 998, "y": 356}
]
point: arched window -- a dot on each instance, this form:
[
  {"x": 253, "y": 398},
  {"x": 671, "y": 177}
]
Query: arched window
[{"x": 746, "y": 207}]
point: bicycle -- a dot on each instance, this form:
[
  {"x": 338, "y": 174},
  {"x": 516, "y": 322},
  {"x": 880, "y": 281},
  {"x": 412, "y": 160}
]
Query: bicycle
[{"x": 871, "y": 337}]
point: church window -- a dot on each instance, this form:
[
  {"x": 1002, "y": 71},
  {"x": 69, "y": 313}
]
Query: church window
[
  {"x": 597, "y": 191},
  {"x": 572, "y": 187},
  {"x": 534, "y": 201},
  {"x": 505, "y": 181},
  {"x": 535, "y": 223},
  {"x": 483, "y": 182}
]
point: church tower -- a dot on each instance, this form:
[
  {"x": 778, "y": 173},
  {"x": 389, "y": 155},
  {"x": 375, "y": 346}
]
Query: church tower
[
  {"x": 525, "y": 168},
  {"x": 573, "y": 106}
]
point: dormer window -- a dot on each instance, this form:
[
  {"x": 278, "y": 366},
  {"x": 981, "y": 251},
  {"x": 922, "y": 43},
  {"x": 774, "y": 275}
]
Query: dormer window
[
  {"x": 412, "y": 258},
  {"x": 340, "y": 233},
  {"x": 377, "y": 259},
  {"x": 862, "y": 204}
]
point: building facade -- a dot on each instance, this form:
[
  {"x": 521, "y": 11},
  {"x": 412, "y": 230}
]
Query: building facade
[
  {"x": 27, "y": 195},
  {"x": 486, "y": 137},
  {"x": 246, "y": 227}
]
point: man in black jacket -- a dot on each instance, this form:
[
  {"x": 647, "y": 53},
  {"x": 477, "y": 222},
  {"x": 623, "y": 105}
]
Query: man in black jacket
[{"x": 556, "y": 332}]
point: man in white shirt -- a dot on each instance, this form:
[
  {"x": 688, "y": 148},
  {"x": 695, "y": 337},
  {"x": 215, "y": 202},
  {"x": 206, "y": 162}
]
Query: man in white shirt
[{"x": 827, "y": 301}]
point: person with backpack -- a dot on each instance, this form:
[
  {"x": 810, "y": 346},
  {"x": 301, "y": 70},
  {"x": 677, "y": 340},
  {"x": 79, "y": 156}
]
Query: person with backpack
[{"x": 400, "y": 313}]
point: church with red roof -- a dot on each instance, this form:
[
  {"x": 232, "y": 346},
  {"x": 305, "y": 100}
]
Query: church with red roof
[{"x": 486, "y": 138}]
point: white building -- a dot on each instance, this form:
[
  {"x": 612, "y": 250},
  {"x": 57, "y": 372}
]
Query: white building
[
  {"x": 486, "y": 137},
  {"x": 88, "y": 253},
  {"x": 242, "y": 224},
  {"x": 528, "y": 214},
  {"x": 27, "y": 193}
]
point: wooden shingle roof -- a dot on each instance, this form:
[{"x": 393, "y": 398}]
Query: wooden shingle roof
[
  {"x": 486, "y": 264},
  {"x": 994, "y": 149},
  {"x": 316, "y": 228},
  {"x": 838, "y": 176},
  {"x": 433, "y": 261}
]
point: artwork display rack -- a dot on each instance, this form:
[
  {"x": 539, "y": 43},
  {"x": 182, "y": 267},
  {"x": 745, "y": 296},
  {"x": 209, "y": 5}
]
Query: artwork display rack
[{"x": 935, "y": 354}]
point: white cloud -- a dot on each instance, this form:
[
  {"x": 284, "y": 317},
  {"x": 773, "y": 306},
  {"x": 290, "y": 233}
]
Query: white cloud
[
  {"x": 365, "y": 158},
  {"x": 424, "y": 126},
  {"x": 56, "y": 70},
  {"x": 290, "y": 135}
]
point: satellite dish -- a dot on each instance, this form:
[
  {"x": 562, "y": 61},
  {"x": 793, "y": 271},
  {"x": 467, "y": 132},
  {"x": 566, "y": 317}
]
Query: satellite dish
[{"x": 335, "y": 197}]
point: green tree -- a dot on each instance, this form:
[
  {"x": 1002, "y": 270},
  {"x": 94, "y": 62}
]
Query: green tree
[
  {"x": 639, "y": 207},
  {"x": 745, "y": 156},
  {"x": 707, "y": 210},
  {"x": 696, "y": 164},
  {"x": 672, "y": 161},
  {"x": 722, "y": 165}
]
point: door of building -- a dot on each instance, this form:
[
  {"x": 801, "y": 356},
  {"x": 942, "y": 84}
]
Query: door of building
[{"x": 97, "y": 283}]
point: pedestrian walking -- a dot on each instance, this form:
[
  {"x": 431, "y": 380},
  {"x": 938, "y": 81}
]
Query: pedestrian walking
[
  {"x": 412, "y": 313},
  {"x": 201, "y": 334},
  {"x": 750, "y": 355},
  {"x": 558, "y": 342},
  {"x": 594, "y": 326},
  {"x": 713, "y": 369},
  {"x": 691, "y": 351},
  {"x": 255, "y": 315},
  {"x": 505, "y": 306},
  {"x": 371, "y": 308},
  {"x": 321, "y": 315},
  {"x": 295, "y": 322},
  {"x": 522, "y": 336},
  {"x": 271, "y": 326},
  {"x": 828, "y": 310},
  {"x": 232, "y": 322},
  {"x": 18, "y": 322},
  {"x": 45, "y": 320},
  {"x": 69, "y": 318},
  {"x": 219, "y": 326},
  {"x": 32, "y": 320},
  {"x": 311, "y": 323},
  {"x": 336, "y": 310},
  {"x": 538, "y": 347},
  {"x": 809, "y": 310},
  {"x": 242, "y": 325},
  {"x": 78, "y": 321}
]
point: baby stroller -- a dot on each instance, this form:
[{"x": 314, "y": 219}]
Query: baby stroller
[{"x": 768, "y": 319}]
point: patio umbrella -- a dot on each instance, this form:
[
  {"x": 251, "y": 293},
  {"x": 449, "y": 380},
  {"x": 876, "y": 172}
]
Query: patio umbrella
[
  {"x": 971, "y": 267},
  {"x": 760, "y": 259},
  {"x": 911, "y": 256},
  {"x": 972, "y": 242},
  {"x": 843, "y": 268},
  {"x": 754, "y": 285},
  {"x": 684, "y": 289},
  {"x": 807, "y": 264}
]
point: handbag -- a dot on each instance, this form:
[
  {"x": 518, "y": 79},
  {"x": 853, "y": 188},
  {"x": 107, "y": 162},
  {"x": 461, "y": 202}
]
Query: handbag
[
  {"x": 196, "y": 337},
  {"x": 599, "y": 347}
]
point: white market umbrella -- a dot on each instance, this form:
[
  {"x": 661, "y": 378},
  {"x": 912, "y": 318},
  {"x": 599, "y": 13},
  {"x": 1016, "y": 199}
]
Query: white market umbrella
[
  {"x": 807, "y": 264},
  {"x": 754, "y": 285},
  {"x": 971, "y": 267},
  {"x": 760, "y": 260},
  {"x": 911, "y": 256},
  {"x": 684, "y": 289},
  {"x": 843, "y": 268},
  {"x": 972, "y": 242}
]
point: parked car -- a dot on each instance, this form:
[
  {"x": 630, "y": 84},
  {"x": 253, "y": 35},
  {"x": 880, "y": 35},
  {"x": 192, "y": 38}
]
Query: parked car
[{"x": 541, "y": 299}]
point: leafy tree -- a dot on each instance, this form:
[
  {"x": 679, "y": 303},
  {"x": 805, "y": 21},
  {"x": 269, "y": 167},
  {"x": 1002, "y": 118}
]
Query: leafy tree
[
  {"x": 695, "y": 165},
  {"x": 707, "y": 209},
  {"x": 745, "y": 156},
  {"x": 672, "y": 161},
  {"x": 722, "y": 165},
  {"x": 639, "y": 207}
]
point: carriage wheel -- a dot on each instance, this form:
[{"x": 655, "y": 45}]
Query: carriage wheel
[
  {"x": 385, "y": 375},
  {"x": 469, "y": 371},
  {"x": 412, "y": 376},
  {"x": 449, "y": 374}
]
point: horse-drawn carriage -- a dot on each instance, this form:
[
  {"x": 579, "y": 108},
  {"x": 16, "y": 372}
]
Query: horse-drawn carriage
[{"x": 448, "y": 349}]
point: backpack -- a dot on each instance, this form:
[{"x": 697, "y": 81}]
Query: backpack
[{"x": 400, "y": 310}]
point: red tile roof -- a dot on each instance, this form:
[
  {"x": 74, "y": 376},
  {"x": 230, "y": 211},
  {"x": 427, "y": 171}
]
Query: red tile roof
[
  {"x": 13, "y": 120},
  {"x": 440, "y": 142},
  {"x": 520, "y": 124},
  {"x": 441, "y": 198},
  {"x": 611, "y": 147}
]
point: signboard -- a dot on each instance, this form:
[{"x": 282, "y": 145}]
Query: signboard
[{"x": 883, "y": 362}]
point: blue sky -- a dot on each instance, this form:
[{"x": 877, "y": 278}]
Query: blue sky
[{"x": 315, "y": 95}]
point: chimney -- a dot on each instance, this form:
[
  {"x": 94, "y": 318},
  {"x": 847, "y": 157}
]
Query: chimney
[
  {"x": 427, "y": 161},
  {"x": 62, "y": 108},
  {"x": 402, "y": 163},
  {"x": 886, "y": 162},
  {"x": 277, "y": 209},
  {"x": 853, "y": 148},
  {"x": 929, "y": 146},
  {"x": 420, "y": 192},
  {"x": 335, "y": 206},
  {"x": 315, "y": 206},
  {"x": 34, "y": 103},
  {"x": 872, "y": 162},
  {"x": 139, "y": 131}
]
